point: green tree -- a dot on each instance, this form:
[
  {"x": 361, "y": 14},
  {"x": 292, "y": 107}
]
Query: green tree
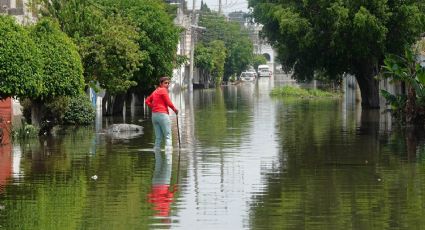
[
  {"x": 337, "y": 37},
  {"x": 203, "y": 58},
  {"x": 112, "y": 56},
  {"x": 20, "y": 61},
  {"x": 62, "y": 71},
  {"x": 107, "y": 42},
  {"x": 62, "y": 67},
  {"x": 219, "y": 53},
  {"x": 157, "y": 37},
  {"x": 258, "y": 59},
  {"x": 210, "y": 58},
  {"x": 238, "y": 45},
  {"x": 406, "y": 70}
]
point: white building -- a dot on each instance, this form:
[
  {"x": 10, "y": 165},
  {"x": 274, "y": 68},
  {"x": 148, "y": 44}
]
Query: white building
[
  {"x": 261, "y": 46},
  {"x": 20, "y": 9},
  {"x": 181, "y": 74}
]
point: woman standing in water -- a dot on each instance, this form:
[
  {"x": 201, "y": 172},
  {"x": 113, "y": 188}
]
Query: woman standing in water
[{"x": 159, "y": 101}]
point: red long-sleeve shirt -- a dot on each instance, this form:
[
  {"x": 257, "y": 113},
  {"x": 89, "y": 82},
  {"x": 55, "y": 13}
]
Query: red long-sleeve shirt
[{"x": 159, "y": 101}]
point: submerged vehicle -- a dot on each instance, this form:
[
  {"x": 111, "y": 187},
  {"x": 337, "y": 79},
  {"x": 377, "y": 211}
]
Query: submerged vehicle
[
  {"x": 264, "y": 71},
  {"x": 247, "y": 76},
  {"x": 251, "y": 69}
]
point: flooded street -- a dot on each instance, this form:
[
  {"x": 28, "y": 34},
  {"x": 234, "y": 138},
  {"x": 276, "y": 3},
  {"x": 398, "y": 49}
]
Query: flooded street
[{"x": 246, "y": 161}]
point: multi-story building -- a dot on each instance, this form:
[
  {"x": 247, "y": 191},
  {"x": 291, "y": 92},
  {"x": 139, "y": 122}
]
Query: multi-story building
[
  {"x": 183, "y": 20},
  {"x": 261, "y": 45}
]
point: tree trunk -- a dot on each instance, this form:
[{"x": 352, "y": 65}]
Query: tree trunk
[
  {"x": 118, "y": 105},
  {"x": 411, "y": 109},
  {"x": 141, "y": 99},
  {"x": 128, "y": 100},
  {"x": 369, "y": 88},
  {"x": 138, "y": 98},
  {"x": 36, "y": 114},
  {"x": 411, "y": 143},
  {"x": 41, "y": 118},
  {"x": 107, "y": 104}
]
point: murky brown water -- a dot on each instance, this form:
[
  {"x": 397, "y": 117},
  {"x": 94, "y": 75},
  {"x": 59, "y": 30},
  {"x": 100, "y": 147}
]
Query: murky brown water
[{"x": 246, "y": 161}]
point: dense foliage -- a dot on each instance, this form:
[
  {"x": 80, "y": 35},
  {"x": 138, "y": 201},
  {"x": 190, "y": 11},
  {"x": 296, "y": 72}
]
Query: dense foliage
[
  {"x": 337, "y": 37},
  {"x": 406, "y": 70},
  {"x": 20, "y": 61},
  {"x": 107, "y": 42},
  {"x": 79, "y": 110},
  {"x": 238, "y": 46},
  {"x": 125, "y": 45},
  {"x": 112, "y": 56},
  {"x": 258, "y": 59},
  {"x": 210, "y": 58},
  {"x": 157, "y": 37},
  {"x": 39, "y": 64},
  {"x": 62, "y": 68},
  {"x": 61, "y": 110}
]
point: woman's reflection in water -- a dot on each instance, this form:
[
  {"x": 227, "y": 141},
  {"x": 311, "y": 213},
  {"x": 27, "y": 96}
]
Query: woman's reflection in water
[{"x": 161, "y": 195}]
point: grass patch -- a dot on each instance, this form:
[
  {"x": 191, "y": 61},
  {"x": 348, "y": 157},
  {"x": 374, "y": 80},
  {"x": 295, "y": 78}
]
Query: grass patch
[{"x": 291, "y": 91}]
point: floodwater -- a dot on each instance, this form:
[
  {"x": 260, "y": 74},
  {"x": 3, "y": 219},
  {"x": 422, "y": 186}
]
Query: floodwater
[{"x": 245, "y": 161}]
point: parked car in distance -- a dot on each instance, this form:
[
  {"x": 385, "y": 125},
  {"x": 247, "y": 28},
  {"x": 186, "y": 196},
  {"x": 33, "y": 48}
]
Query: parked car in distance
[
  {"x": 264, "y": 71},
  {"x": 247, "y": 76},
  {"x": 252, "y": 70}
]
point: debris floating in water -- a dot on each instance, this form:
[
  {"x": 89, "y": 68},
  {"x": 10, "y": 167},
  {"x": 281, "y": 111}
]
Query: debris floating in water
[{"x": 94, "y": 177}]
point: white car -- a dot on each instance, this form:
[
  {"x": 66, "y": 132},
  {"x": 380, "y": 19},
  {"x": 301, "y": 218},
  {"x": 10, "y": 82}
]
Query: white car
[
  {"x": 264, "y": 71},
  {"x": 252, "y": 70},
  {"x": 247, "y": 76}
]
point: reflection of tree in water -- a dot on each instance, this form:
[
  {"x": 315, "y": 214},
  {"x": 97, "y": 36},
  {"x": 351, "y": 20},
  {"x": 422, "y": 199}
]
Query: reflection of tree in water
[
  {"x": 57, "y": 191},
  {"x": 407, "y": 143},
  {"x": 221, "y": 116},
  {"x": 336, "y": 178}
]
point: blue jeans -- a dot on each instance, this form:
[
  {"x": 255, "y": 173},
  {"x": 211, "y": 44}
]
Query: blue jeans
[{"x": 162, "y": 127}]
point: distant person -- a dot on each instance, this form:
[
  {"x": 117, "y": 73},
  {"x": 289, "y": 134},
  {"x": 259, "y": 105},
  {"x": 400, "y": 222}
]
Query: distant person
[{"x": 159, "y": 101}]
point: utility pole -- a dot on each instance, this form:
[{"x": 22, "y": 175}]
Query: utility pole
[
  {"x": 192, "y": 48},
  {"x": 219, "y": 7}
]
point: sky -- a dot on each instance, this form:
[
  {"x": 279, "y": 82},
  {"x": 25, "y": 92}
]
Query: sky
[{"x": 227, "y": 5}]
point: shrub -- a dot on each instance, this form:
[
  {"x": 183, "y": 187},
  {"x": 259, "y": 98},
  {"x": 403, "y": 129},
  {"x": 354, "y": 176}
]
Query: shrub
[
  {"x": 406, "y": 70},
  {"x": 24, "y": 131},
  {"x": 79, "y": 111},
  {"x": 55, "y": 109},
  {"x": 63, "y": 110}
]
